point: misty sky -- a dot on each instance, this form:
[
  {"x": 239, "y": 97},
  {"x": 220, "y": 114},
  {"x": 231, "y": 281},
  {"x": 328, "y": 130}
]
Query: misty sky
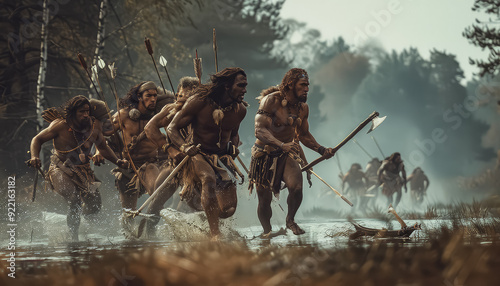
[{"x": 394, "y": 24}]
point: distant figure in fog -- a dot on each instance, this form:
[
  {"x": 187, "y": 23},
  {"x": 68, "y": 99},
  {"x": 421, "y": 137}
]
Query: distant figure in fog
[
  {"x": 388, "y": 177},
  {"x": 418, "y": 185}
]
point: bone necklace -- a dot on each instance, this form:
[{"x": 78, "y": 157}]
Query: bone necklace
[{"x": 218, "y": 115}]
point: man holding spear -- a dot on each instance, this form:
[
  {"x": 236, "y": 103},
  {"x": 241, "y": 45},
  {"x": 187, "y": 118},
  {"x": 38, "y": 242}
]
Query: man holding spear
[
  {"x": 136, "y": 109},
  {"x": 281, "y": 118},
  {"x": 74, "y": 133},
  {"x": 215, "y": 112}
]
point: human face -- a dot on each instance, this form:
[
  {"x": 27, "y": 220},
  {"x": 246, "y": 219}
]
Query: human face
[
  {"x": 82, "y": 116},
  {"x": 239, "y": 88},
  {"x": 397, "y": 159},
  {"x": 181, "y": 92},
  {"x": 301, "y": 89},
  {"x": 148, "y": 99}
]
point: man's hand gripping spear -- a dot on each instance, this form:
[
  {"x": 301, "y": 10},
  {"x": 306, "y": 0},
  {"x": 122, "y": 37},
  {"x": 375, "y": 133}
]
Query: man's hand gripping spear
[{"x": 376, "y": 121}]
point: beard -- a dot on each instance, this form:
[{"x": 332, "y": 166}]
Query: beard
[
  {"x": 302, "y": 98},
  {"x": 85, "y": 123},
  {"x": 81, "y": 125}
]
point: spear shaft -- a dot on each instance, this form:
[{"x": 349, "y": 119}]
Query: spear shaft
[
  {"x": 168, "y": 76},
  {"x": 378, "y": 146},
  {"x": 150, "y": 51},
  {"x": 215, "y": 51},
  {"x": 84, "y": 66},
  {"x": 359, "y": 145},
  {"x": 125, "y": 146}
]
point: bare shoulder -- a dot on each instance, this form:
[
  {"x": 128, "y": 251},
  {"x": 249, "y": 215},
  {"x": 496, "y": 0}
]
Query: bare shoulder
[
  {"x": 123, "y": 113},
  {"x": 270, "y": 102},
  {"x": 97, "y": 125},
  {"x": 194, "y": 104},
  {"x": 305, "y": 107},
  {"x": 241, "y": 109},
  {"x": 58, "y": 125}
]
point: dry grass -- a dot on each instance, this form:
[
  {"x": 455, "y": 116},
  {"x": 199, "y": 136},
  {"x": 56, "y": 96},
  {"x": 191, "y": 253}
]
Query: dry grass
[
  {"x": 465, "y": 252},
  {"x": 447, "y": 256}
]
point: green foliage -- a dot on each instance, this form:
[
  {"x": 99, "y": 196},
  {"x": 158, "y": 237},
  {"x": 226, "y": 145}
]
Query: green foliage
[{"x": 486, "y": 35}]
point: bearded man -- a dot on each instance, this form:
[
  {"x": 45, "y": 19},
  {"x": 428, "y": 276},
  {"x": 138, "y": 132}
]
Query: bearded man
[
  {"x": 136, "y": 109},
  {"x": 214, "y": 112},
  {"x": 280, "y": 124},
  {"x": 152, "y": 130},
  {"x": 70, "y": 175}
]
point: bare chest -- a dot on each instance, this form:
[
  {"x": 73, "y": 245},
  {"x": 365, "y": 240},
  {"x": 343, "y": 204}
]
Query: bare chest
[
  {"x": 70, "y": 140},
  {"x": 288, "y": 116},
  {"x": 133, "y": 127},
  {"x": 212, "y": 119}
]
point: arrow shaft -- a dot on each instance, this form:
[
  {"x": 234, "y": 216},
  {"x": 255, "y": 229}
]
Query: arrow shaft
[
  {"x": 168, "y": 76},
  {"x": 378, "y": 146},
  {"x": 158, "y": 73},
  {"x": 364, "y": 150}
]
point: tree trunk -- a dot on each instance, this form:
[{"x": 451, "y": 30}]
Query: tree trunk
[
  {"x": 100, "y": 34},
  {"x": 40, "y": 89}
]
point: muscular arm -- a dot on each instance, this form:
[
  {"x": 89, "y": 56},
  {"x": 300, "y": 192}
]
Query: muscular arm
[
  {"x": 152, "y": 129},
  {"x": 104, "y": 149},
  {"x": 263, "y": 123},
  {"x": 45, "y": 135},
  {"x": 304, "y": 135},
  {"x": 235, "y": 136},
  {"x": 426, "y": 180},
  {"x": 183, "y": 118},
  {"x": 403, "y": 173},
  {"x": 380, "y": 172}
]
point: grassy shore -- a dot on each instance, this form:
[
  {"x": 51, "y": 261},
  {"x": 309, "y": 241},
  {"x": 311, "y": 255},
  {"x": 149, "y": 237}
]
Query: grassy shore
[{"x": 465, "y": 252}]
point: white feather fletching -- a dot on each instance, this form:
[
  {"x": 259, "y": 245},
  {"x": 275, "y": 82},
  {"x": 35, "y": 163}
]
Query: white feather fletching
[{"x": 163, "y": 61}]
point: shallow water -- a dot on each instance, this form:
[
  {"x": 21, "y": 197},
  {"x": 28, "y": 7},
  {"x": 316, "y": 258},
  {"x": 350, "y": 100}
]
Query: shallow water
[{"x": 175, "y": 230}]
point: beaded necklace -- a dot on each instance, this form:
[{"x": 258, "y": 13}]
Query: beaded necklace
[{"x": 79, "y": 146}]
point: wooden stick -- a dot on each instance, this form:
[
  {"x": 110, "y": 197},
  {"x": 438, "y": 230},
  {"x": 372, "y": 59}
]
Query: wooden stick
[{"x": 349, "y": 137}]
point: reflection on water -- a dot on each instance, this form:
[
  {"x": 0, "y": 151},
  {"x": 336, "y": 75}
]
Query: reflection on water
[{"x": 176, "y": 230}]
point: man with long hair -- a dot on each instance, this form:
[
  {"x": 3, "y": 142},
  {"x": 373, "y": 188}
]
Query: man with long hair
[
  {"x": 280, "y": 124},
  {"x": 136, "y": 109},
  {"x": 388, "y": 177},
  {"x": 214, "y": 112},
  {"x": 185, "y": 89},
  {"x": 73, "y": 134},
  {"x": 419, "y": 183}
]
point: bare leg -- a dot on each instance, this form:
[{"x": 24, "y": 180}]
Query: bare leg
[
  {"x": 159, "y": 201},
  {"x": 398, "y": 197},
  {"x": 227, "y": 201},
  {"x": 91, "y": 206},
  {"x": 73, "y": 219},
  {"x": 128, "y": 201},
  {"x": 209, "y": 201},
  {"x": 293, "y": 180},
  {"x": 264, "y": 210},
  {"x": 65, "y": 187}
]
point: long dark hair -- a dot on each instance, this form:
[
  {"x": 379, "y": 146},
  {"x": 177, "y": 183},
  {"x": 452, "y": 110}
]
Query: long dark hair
[
  {"x": 290, "y": 79},
  {"x": 132, "y": 98},
  {"x": 72, "y": 105},
  {"x": 393, "y": 156},
  {"x": 218, "y": 83}
]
